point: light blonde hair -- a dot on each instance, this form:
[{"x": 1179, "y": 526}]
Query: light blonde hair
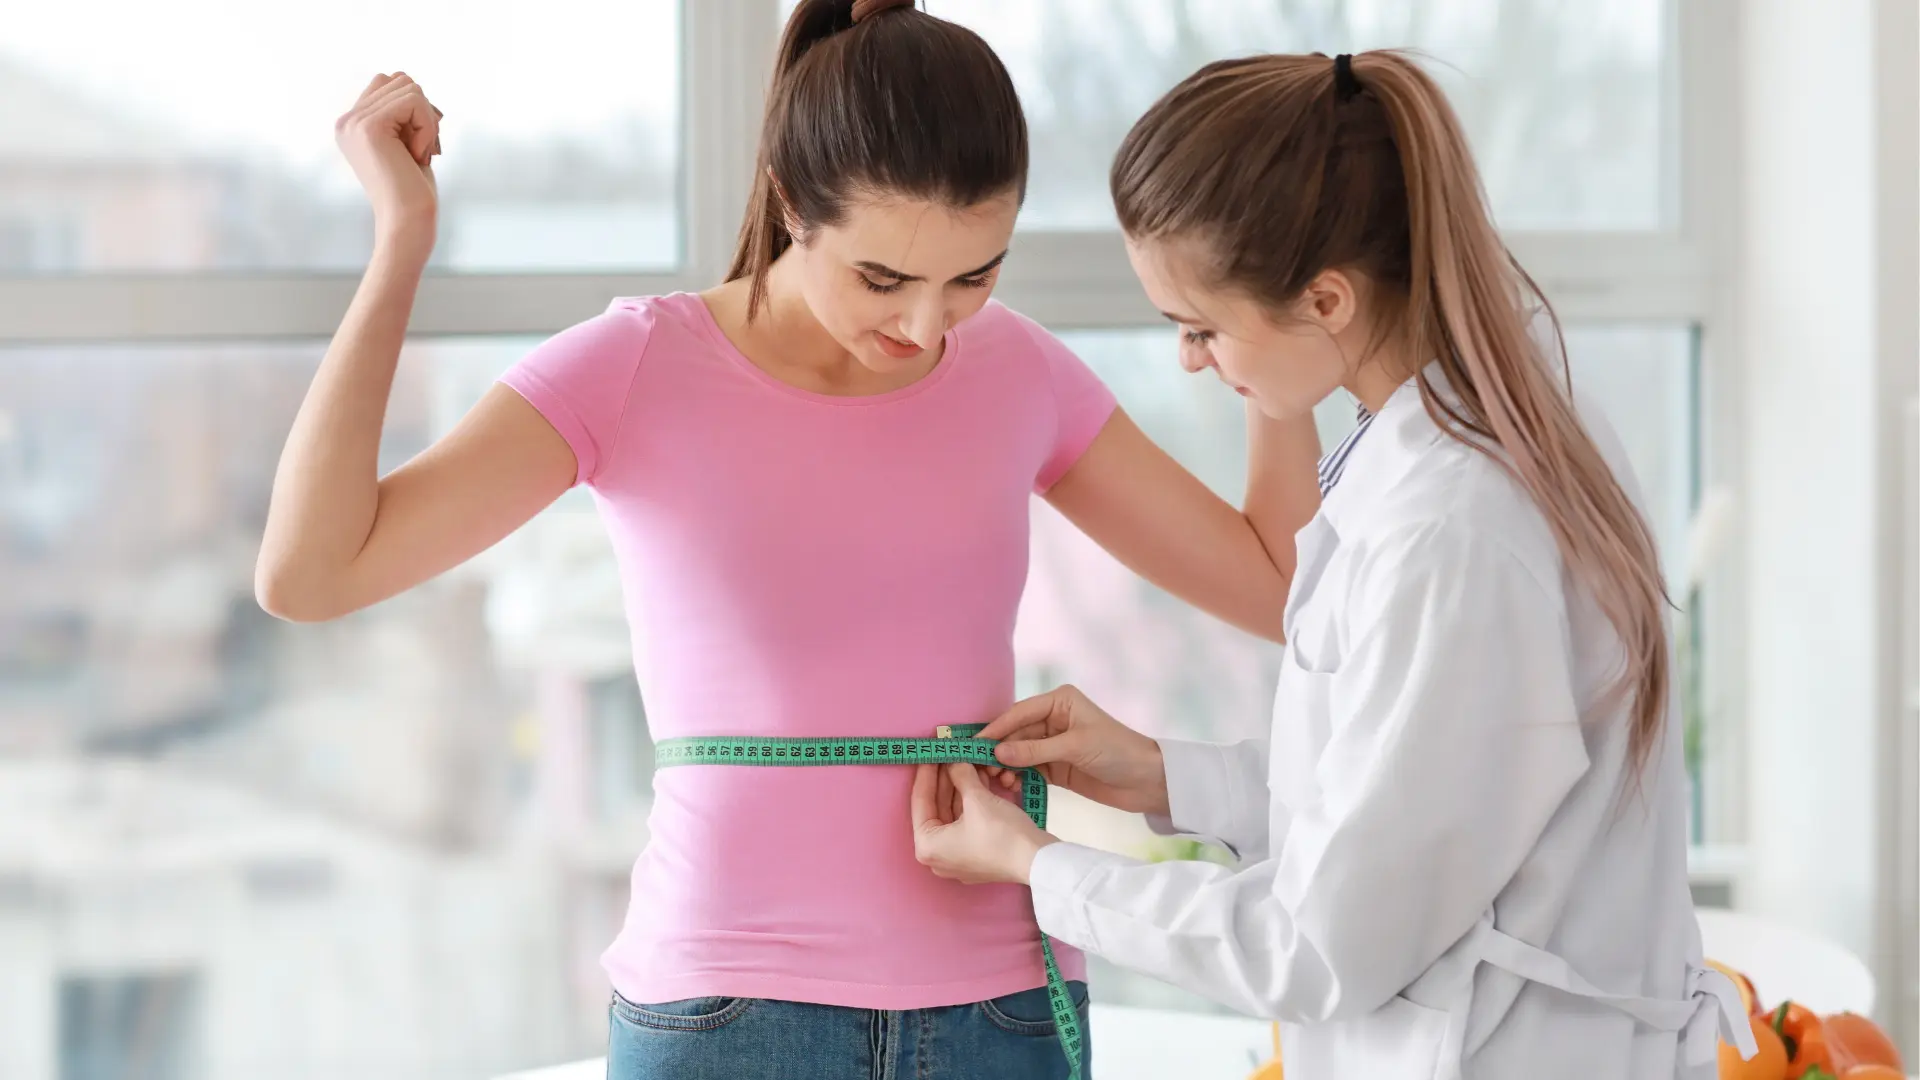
[{"x": 1281, "y": 167}]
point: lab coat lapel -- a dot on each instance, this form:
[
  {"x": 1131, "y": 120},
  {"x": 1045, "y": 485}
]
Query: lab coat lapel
[{"x": 1313, "y": 547}]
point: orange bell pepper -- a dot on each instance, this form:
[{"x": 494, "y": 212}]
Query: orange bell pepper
[
  {"x": 1801, "y": 1032},
  {"x": 1271, "y": 1068},
  {"x": 1855, "y": 1040},
  {"x": 1873, "y": 1072},
  {"x": 1768, "y": 1063}
]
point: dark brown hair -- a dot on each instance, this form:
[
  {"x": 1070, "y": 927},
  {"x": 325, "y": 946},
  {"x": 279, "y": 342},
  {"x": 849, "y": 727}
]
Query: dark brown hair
[
  {"x": 1281, "y": 167},
  {"x": 897, "y": 103}
]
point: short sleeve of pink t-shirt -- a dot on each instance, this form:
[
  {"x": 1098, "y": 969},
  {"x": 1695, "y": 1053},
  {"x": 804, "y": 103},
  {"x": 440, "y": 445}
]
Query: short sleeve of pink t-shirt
[
  {"x": 806, "y": 566},
  {"x": 581, "y": 379},
  {"x": 1081, "y": 401}
]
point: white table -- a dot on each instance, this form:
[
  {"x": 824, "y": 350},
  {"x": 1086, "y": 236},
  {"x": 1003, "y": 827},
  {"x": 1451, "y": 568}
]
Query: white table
[{"x": 1128, "y": 1044}]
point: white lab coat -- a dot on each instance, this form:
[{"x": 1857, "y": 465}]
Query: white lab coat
[{"x": 1445, "y": 867}]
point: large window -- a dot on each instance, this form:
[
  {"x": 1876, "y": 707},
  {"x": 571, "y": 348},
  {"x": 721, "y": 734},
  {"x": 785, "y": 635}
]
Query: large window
[
  {"x": 198, "y": 135},
  {"x": 394, "y": 846},
  {"x": 330, "y": 826},
  {"x": 1565, "y": 102}
]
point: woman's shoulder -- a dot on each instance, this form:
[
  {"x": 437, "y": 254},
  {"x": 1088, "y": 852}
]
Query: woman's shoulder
[
  {"x": 625, "y": 324},
  {"x": 603, "y": 355},
  {"x": 1448, "y": 498},
  {"x": 1001, "y": 340},
  {"x": 670, "y": 312},
  {"x": 632, "y": 327},
  {"x": 998, "y": 326}
]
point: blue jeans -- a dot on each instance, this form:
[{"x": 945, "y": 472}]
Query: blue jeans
[{"x": 1007, "y": 1038}]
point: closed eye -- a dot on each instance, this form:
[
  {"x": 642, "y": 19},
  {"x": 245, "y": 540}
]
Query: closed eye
[
  {"x": 971, "y": 281},
  {"x": 883, "y": 279}
]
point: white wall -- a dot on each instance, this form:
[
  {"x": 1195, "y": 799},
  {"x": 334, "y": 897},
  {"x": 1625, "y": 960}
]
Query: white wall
[
  {"x": 1816, "y": 378},
  {"x": 1808, "y": 370},
  {"x": 1897, "y": 76}
]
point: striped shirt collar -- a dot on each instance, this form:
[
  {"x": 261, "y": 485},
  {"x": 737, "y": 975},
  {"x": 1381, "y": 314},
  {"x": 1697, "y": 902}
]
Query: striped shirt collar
[{"x": 1335, "y": 463}]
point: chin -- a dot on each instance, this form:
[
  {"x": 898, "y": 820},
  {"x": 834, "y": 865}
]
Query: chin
[
  {"x": 1278, "y": 410},
  {"x": 881, "y": 364},
  {"x": 868, "y": 355}
]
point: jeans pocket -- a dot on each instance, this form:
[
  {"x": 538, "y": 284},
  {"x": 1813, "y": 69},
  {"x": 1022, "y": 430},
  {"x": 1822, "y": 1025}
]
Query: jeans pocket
[
  {"x": 1030, "y": 1012},
  {"x": 688, "y": 1014}
]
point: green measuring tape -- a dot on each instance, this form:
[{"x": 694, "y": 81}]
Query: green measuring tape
[{"x": 954, "y": 743}]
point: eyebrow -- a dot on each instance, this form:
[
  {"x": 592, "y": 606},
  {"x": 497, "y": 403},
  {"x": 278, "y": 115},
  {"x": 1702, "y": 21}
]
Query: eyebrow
[
  {"x": 884, "y": 270},
  {"x": 1184, "y": 320}
]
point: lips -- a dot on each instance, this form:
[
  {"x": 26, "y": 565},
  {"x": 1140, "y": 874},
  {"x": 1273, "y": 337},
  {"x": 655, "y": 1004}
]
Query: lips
[{"x": 894, "y": 347}]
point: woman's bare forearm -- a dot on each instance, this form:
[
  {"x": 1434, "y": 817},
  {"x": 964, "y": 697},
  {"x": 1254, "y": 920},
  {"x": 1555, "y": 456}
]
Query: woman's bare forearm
[
  {"x": 326, "y": 491},
  {"x": 1156, "y": 518},
  {"x": 1283, "y": 485}
]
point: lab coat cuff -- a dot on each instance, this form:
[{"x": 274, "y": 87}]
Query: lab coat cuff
[
  {"x": 1198, "y": 778},
  {"x": 1063, "y": 875}
]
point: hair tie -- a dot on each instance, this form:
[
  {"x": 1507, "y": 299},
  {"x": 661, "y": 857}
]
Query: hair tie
[
  {"x": 1344, "y": 84},
  {"x": 867, "y": 9}
]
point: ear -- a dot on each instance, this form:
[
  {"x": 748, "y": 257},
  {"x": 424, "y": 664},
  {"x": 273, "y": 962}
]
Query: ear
[{"x": 1330, "y": 301}]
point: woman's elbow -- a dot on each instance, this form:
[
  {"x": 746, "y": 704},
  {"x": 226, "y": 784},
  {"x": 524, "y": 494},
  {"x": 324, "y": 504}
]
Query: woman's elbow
[
  {"x": 286, "y": 594},
  {"x": 1312, "y": 983}
]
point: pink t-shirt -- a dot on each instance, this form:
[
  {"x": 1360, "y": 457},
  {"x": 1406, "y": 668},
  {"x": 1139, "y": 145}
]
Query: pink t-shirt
[{"x": 800, "y": 565}]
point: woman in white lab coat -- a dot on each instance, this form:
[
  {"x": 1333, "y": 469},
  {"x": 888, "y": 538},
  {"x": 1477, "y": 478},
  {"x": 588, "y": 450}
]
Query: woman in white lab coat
[{"x": 1462, "y": 849}]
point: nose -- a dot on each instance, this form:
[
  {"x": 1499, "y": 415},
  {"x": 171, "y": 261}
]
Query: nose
[
  {"x": 926, "y": 321},
  {"x": 1195, "y": 359}
]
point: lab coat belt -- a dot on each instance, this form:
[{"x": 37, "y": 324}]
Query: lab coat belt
[{"x": 1711, "y": 1010}]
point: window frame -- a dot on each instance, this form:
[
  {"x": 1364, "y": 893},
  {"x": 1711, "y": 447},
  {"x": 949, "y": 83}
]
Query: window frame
[{"x": 1077, "y": 279}]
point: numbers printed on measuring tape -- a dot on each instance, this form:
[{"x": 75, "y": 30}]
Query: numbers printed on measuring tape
[{"x": 954, "y": 743}]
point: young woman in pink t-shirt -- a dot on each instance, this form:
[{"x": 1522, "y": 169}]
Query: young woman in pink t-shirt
[{"x": 817, "y": 478}]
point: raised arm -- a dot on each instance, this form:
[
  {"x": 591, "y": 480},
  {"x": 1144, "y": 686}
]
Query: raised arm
[{"x": 339, "y": 537}]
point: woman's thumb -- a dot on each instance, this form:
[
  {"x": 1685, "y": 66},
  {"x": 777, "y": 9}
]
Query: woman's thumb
[
  {"x": 1026, "y": 753},
  {"x": 966, "y": 777}
]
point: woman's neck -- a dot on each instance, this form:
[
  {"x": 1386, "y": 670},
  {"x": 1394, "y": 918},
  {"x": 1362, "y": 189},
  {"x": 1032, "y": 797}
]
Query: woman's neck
[
  {"x": 787, "y": 341},
  {"x": 788, "y": 326},
  {"x": 1384, "y": 371}
]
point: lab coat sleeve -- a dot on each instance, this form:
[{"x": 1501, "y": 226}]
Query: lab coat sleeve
[
  {"x": 1454, "y": 738},
  {"x": 1217, "y": 792}
]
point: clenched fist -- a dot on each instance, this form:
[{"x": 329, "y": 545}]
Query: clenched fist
[{"x": 390, "y": 137}]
